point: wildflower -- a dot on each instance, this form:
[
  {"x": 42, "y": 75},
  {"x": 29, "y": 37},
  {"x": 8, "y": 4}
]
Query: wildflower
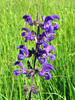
[
  {"x": 28, "y": 72},
  {"x": 28, "y": 36},
  {"x": 24, "y": 52},
  {"x": 28, "y": 19},
  {"x": 42, "y": 51},
  {"x": 45, "y": 71}
]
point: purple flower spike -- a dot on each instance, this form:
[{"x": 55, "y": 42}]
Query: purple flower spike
[
  {"x": 28, "y": 19},
  {"x": 21, "y": 65}
]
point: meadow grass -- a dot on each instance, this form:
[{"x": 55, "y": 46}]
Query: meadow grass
[{"x": 62, "y": 84}]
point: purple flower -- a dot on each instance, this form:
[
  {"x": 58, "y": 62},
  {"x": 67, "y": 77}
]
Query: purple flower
[
  {"x": 50, "y": 18},
  {"x": 37, "y": 19},
  {"x": 43, "y": 18},
  {"x": 45, "y": 71},
  {"x": 28, "y": 36},
  {"x": 17, "y": 72},
  {"x": 48, "y": 23},
  {"x": 26, "y": 29},
  {"x": 44, "y": 53},
  {"x": 53, "y": 57},
  {"x": 42, "y": 60},
  {"x": 48, "y": 49},
  {"x": 24, "y": 52},
  {"x": 28, "y": 19},
  {"x": 56, "y": 26},
  {"x": 52, "y": 37},
  {"x": 28, "y": 72}
]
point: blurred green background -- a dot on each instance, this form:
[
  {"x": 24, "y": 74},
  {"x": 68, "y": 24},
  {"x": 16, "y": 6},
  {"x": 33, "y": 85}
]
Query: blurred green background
[{"x": 62, "y": 84}]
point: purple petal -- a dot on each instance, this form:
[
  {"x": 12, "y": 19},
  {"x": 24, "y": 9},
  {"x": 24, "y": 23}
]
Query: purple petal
[
  {"x": 20, "y": 64},
  {"x": 48, "y": 49},
  {"x": 26, "y": 29},
  {"x": 29, "y": 36},
  {"x": 43, "y": 35},
  {"x": 48, "y": 18},
  {"x": 43, "y": 60},
  {"x": 20, "y": 56},
  {"x": 53, "y": 57},
  {"x": 55, "y": 17},
  {"x": 48, "y": 76},
  {"x": 17, "y": 72},
  {"x": 51, "y": 38},
  {"x": 35, "y": 92},
  {"x": 49, "y": 29},
  {"x": 51, "y": 18},
  {"x": 28, "y": 19},
  {"x": 43, "y": 18},
  {"x": 23, "y": 34},
  {"x": 56, "y": 26},
  {"x": 25, "y": 91},
  {"x": 47, "y": 25},
  {"x": 24, "y": 49},
  {"x": 37, "y": 17},
  {"x": 46, "y": 67}
]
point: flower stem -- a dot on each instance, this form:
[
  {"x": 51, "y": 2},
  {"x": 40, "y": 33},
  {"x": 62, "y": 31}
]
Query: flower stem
[
  {"x": 35, "y": 61},
  {"x": 30, "y": 95},
  {"x": 38, "y": 32}
]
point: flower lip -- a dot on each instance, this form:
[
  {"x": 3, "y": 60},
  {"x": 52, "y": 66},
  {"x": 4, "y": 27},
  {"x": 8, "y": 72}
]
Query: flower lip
[
  {"x": 51, "y": 18},
  {"x": 25, "y": 29},
  {"x": 16, "y": 63},
  {"x": 28, "y": 19}
]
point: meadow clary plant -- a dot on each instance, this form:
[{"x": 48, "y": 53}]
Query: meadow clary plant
[{"x": 42, "y": 51}]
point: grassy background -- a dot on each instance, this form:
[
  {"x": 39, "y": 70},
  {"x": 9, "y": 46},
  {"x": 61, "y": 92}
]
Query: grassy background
[{"x": 61, "y": 86}]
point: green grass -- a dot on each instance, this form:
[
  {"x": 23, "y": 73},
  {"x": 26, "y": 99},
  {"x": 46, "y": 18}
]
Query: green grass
[{"x": 62, "y": 84}]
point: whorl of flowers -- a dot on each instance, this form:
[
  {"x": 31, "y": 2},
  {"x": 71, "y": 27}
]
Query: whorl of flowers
[{"x": 42, "y": 51}]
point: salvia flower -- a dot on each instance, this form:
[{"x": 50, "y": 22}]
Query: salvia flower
[
  {"x": 42, "y": 50},
  {"x": 28, "y": 19}
]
